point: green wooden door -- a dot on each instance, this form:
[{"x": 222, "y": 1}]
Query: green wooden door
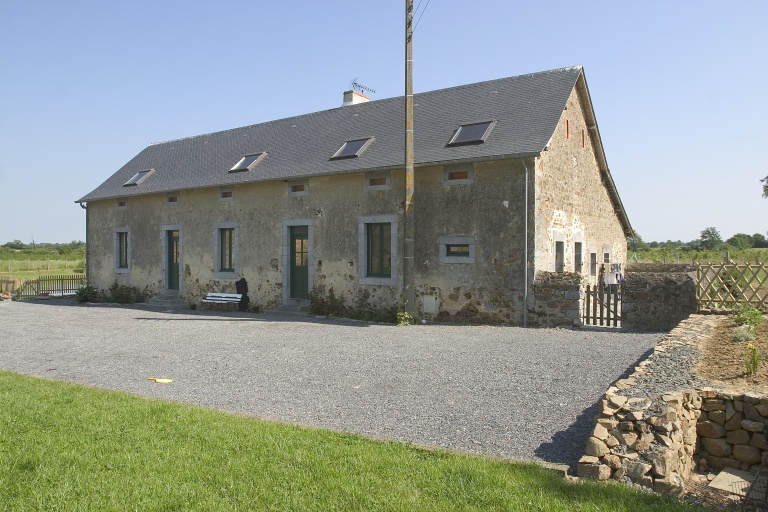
[
  {"x": 173, "y": 259},
  {"x": 299, "y": 262}
]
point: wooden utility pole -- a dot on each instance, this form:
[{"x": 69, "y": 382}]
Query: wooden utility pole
[{"x": 409, "y": 264}]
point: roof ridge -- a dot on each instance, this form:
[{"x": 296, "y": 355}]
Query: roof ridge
[
  {"x": 373, "y": 102},
  {"x": 513, "y": 77}
]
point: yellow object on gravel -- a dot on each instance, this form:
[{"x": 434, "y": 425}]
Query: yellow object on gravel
[{"x": 160, "y": 381}]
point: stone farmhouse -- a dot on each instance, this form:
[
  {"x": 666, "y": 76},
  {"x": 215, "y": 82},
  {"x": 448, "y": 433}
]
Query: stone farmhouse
[{"x": 511, "y": 180}]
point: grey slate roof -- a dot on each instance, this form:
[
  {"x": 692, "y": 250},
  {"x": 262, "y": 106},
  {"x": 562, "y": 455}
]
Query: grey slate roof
[{"x": 526, "y": 108}]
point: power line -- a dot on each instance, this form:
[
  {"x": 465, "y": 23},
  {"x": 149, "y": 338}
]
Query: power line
[{"x": 422, "y": 13}]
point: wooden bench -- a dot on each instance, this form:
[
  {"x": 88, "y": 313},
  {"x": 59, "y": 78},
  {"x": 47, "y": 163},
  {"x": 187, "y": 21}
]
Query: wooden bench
[{"x": 224, "y": 301}]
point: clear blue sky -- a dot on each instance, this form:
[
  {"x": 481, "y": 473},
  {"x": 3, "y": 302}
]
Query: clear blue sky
[{"x": 679, "y": 88}]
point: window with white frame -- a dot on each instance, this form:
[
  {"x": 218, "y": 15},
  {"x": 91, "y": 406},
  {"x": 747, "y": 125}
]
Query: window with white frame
[
  {"x": 122, "y": 250},
  {"x": 298, "y": 188},
  {"x": 225, "y": 250},
  {"x": 578, "y": 263},
  {"x": 378, "y": 181},
  {"x": 458, "y": 175},
  {"x": 377, "y": 250},
  {"x": 457, "y": 249},
  {"x": 559, "y": 256}
]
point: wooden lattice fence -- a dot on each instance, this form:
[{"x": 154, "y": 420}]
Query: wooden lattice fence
[{"x": 726, "y": 285}]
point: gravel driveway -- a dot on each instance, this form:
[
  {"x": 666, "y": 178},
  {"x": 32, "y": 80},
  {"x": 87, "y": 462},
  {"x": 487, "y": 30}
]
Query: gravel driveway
[{"x": 505, "y": 391}]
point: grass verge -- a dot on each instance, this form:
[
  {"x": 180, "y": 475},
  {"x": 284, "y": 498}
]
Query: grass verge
[{"x": 69, "y": 447}]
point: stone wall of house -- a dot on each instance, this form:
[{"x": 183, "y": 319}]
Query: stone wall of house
[
  {"x": 657, "y": 297},
  {"x": 556, "y": 299},
  {"x": 485, "y": 211},
  {"x": 259, "y": 213},
  {"x": 572, "y": 202}
]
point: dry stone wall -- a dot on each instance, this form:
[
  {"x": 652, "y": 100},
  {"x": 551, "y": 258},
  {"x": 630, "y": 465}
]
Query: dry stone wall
[
  {"x": 656, "y": 440},
  {"x": 557, "y": 299},
  {"x": 731, "y": 430},
  {"x": 657, "y": 297},
  {"x": 650, "y": 442}
]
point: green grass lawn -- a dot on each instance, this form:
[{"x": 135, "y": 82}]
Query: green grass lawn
[
  {"x": 69, "y": 447},
  {"x": 22, "y": 275},
  {"x": 31, "y": 269}
]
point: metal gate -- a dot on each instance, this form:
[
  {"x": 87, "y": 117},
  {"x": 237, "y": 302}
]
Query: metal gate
[{"x": 602, "y": 305}]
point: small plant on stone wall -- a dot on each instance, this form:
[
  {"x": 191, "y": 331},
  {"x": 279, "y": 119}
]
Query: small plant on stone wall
[{"x": 752, "y": 359}]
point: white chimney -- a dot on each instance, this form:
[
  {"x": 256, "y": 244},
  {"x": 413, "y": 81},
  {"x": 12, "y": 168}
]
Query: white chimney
[{"x": 354, "y": 97}]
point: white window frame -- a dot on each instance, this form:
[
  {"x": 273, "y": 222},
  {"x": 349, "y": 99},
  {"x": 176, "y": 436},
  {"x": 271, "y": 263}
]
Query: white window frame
[
  {"x": 445, "y": 241},
  {"x": 304, "y": 192},
  {"x": 362, "y": 250},
  {"x": 223, "y": 199},
  {"x": 448, "y": 169},
  {"x": 378, "y": 175},
  {"x": 578, "y": 257},
  {"x": 116, "y": 237},
  {"x": 559, "y": 268},
  {"x": 217, "y": 272},
  {"x": 606, "y": 252}
]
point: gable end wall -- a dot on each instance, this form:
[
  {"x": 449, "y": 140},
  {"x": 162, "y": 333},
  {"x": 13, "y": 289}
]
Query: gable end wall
[{"x": 572, "y": 203}]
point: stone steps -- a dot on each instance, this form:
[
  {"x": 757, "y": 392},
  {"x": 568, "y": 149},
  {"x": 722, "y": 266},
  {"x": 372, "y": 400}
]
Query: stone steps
[
  {"x": 295, "y": 306},
  {"x": 168, "y": 301}
]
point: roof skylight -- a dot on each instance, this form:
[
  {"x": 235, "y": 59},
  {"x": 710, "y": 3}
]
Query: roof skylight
[
  {"x": 248, "y": 162},
  {"x": 139, "y": 177},
  {"x": 474, "y": 133},
  {"x": 352, "y": 148}
]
